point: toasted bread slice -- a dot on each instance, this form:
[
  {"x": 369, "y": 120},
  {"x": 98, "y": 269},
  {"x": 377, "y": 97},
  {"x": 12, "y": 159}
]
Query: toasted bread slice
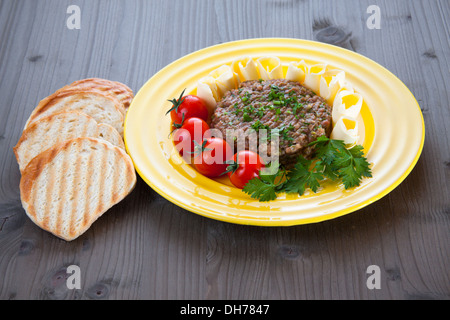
[
  {"x": 104, "y": 108},
  {"x": 54, "y": 129},
  {"x": 66, "y": 188},
  {"x": 121, "y": 91},
  {"x": 108, "y": 133}
]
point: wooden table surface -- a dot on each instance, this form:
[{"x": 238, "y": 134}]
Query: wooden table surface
[{"x": 148, "y": 248}]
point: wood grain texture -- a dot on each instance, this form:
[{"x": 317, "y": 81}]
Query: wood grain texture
[{"x": 146, "y": 247}]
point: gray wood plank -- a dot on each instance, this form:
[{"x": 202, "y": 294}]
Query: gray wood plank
[{"x": 148, "y": 248}]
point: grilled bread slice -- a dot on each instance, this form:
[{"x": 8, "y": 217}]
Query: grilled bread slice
[
  {"x": 66, "y": 188},
  {"x": 54, "y": 129},
  {"x": 121, "y": 91},
  {"x": 108, "y": 133},
  {"x": 103, "y": 107}
]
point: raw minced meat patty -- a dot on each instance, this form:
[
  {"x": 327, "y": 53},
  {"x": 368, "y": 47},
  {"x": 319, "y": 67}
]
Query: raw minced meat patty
[{"x": 285, "y": 108}]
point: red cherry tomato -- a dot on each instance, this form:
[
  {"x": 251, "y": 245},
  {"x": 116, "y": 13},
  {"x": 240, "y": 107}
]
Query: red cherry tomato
[
  {"x": 211, "y": 159},
  {"x": 247, "y": 165},
  {"x": 188, "y": 107},
  {"x": 183, "y": 142},
  {"x": 193, "y": 129},
  {"x": 197, "y": 128}
]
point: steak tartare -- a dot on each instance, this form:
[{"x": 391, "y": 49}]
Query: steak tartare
[{"x": 286, "y": 109}]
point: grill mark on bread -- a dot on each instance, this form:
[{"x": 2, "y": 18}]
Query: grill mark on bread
[
  {"x": 115, "y": 178},
  {"x": 51, "y": 188},
  {"x": 84, "y": 133},
  {"x": 75, "y": 199},
  {"x": 101, "y": 186},
  {"x": 34, "y": 169},
  {"x": 50, "y": 191},
  {"x": 90, "y": 173},
  {"x": 62, "y": 186},
  {"x": 62, "y": 202},
  {"x": 130, "y": 173},
  {"x": 27, "y": 153}
]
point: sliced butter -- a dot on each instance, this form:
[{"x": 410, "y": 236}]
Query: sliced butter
[
  {"x": 207, "y": 91},
  {"x": 346, "y": 103},
  {"x": 296, "y": 71},
  {"x": 346, "y": 129},
  {"x": 225, "y": 80},
  {"x": 330, "y": 83},
  {"x": 313, "y": 76},
  {"x": 269, "y": 68},
  {"x": 245, "y": 69}
]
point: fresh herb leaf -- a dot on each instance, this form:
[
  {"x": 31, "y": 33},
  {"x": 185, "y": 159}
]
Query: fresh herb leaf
[
  {"x": 347, "y": 164},
  {"x": 267, "y": 186},
  {"x": 302, "y": 177},
  {"x": 354, "y": 167},
  {"x": 333, "y": 161},
  {"x": 261, "y": 190}
]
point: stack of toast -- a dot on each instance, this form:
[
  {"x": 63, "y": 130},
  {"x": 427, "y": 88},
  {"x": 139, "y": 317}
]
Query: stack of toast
[{"x": 72, "y": 157}]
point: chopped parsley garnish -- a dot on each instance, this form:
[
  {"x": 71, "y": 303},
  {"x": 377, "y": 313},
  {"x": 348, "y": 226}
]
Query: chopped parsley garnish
[
  {"x": 258, "y": 125},
  {"x": 284, "y": 132},
  {"x": 278, "y": 99},
  {"x": 261, "y": 111},
  {"x": 246, "y": 117},
  {"x": 297, "y": 106},
  {"x": 247, "y": 96},
  {"x": 275, "y": 93}
]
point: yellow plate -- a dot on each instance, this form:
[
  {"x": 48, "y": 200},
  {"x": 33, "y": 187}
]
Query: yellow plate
[{"x": 394, "y": 134}]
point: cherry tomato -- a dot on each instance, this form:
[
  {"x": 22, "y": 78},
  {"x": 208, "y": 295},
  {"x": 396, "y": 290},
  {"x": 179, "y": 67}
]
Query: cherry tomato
[
  {"x": 211, "y": 159},
  {"x": 183, "y": 142},
  {"x": 197, "y": 128},
  {"x": 247, "y": 165},
  {"x": 188, "y": 107},
  {"x": 193, "y": 129}
]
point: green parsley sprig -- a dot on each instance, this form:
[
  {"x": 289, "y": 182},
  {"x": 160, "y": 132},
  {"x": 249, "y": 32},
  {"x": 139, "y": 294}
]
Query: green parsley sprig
[
  {"x": 333, "y": 161},
  {"x": 267, "y": 186}
]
